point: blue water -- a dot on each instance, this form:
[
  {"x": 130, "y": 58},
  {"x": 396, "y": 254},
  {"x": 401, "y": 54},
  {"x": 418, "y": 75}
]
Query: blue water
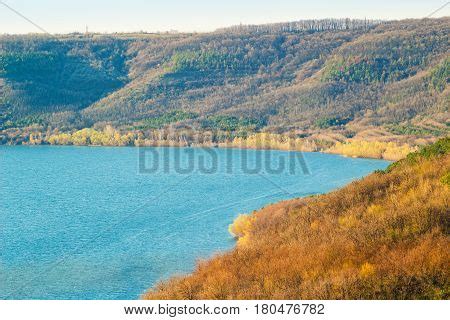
[{"x": 89, "y": 223}]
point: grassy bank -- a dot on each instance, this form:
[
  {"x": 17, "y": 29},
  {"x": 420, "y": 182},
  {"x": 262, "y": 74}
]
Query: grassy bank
[{"x": 383, "y": 237}]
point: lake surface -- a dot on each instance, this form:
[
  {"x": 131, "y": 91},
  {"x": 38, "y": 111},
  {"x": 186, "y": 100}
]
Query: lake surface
[{"x": 98, "y": 223}]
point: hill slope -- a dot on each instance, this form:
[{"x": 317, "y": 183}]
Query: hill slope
[
  {"x": 313, "y": 76},
  {"x": 383, "y": 237}
]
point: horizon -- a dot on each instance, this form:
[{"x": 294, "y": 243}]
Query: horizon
[
  {"x": 198, "y": 16},
  {"x": 165, "y": 32}
]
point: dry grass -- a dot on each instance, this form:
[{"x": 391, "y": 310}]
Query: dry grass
[{"x": 383, "y": 237}]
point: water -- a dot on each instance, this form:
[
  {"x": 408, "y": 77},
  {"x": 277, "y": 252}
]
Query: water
[{"x": 83, "y": 223}]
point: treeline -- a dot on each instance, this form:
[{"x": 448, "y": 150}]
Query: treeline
[{"x": 305, "y": 25}]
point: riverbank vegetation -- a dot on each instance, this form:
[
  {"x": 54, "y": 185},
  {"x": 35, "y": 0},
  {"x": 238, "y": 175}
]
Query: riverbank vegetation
[
  {"x": 108, "y": 136},
  {"x": 385, "y": 236}
]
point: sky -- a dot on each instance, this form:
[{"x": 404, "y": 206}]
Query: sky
[{"x": 65, "y": 16}]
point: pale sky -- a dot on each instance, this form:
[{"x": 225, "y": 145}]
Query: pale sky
[{"x": 64, "y": 16}]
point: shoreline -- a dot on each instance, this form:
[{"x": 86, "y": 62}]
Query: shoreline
[
  {"x": 356, "y": 147},
  {"x": 198, "y": 146}
]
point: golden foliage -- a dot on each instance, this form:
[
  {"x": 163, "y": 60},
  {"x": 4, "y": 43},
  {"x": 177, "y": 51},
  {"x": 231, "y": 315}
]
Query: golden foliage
[
  {"x": 383, "y": 237},
  {"x": 372, "y": 149},
  {"x": 108, "y": 137},
  {"x": 241, "y": 228}
]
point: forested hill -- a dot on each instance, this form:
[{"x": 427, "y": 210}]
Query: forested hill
[{"x": 334, "y": 75}]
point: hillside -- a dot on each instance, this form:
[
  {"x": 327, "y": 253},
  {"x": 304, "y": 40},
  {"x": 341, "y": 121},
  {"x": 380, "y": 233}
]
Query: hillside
[
  {"x": 324, "y": 79},
  {"x": 383, "y": 237}
]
